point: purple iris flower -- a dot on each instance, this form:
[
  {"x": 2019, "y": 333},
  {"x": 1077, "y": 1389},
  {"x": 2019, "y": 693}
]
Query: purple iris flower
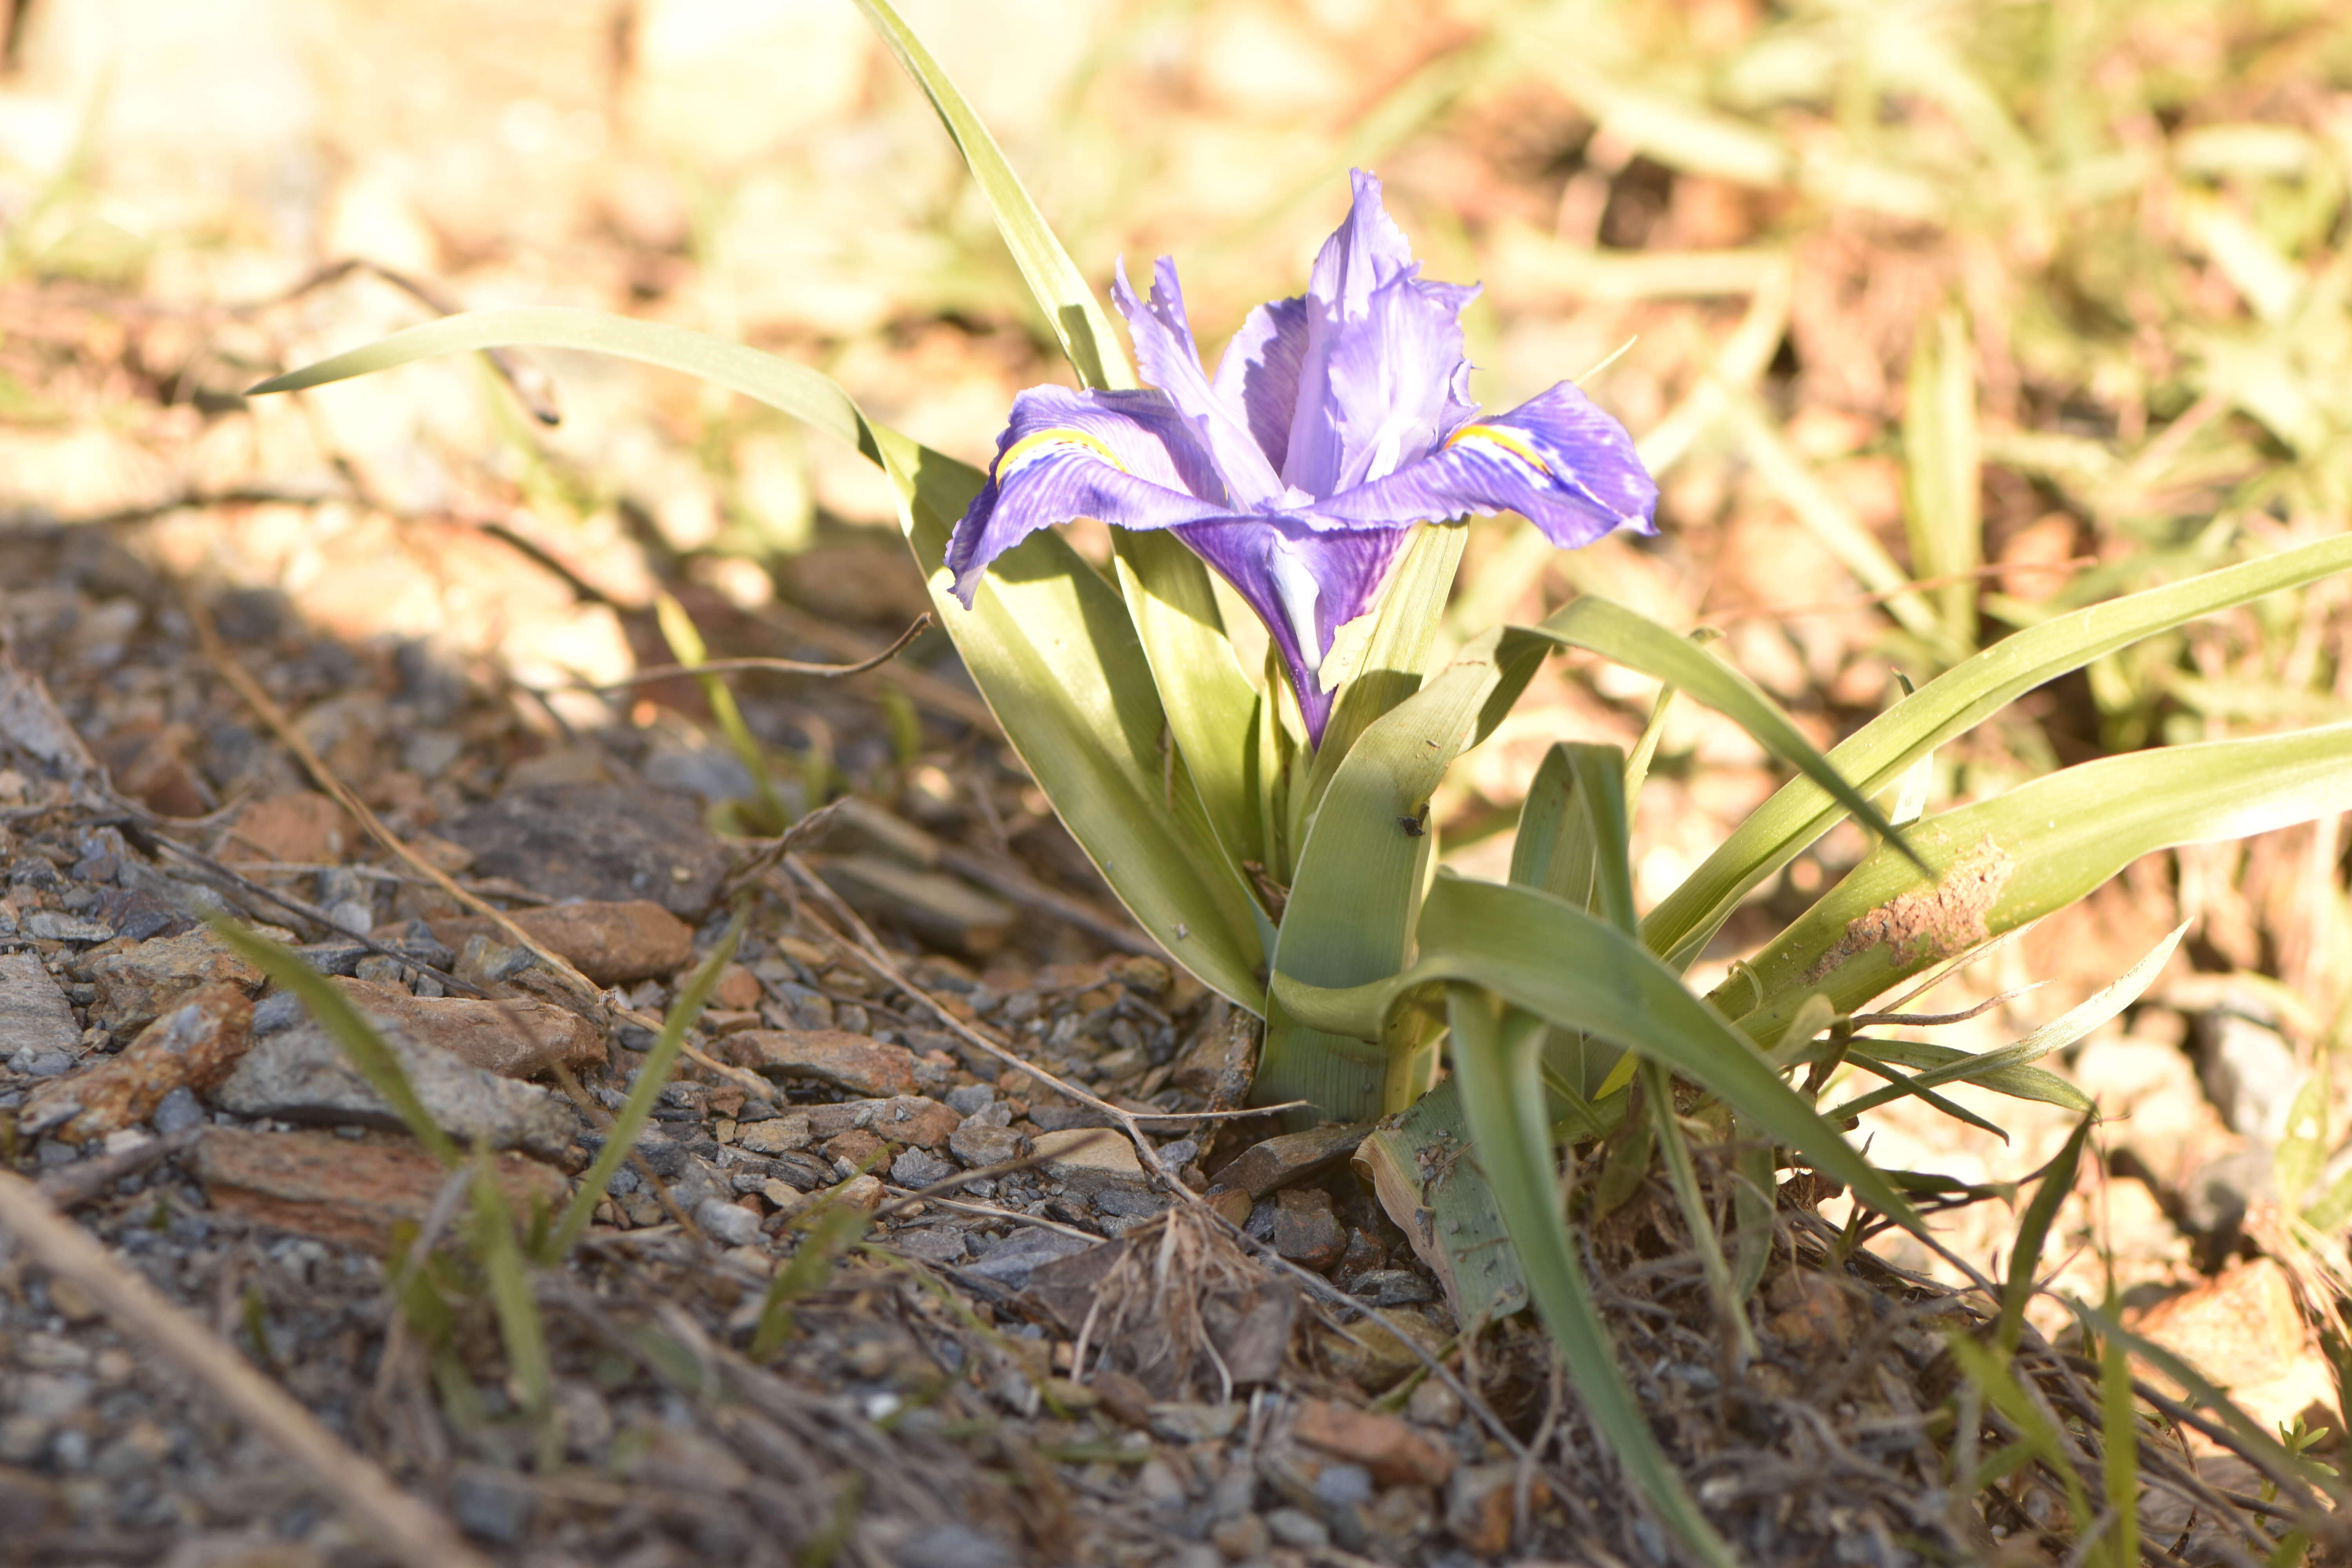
[{"x": 1335, "y": 422}]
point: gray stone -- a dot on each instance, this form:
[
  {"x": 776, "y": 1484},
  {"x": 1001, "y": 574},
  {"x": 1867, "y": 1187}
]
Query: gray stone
[
  {"x": 598, "y": 841},
  {"x": 47, "y": 925},
  {"x": 953, "y": 1546},
  {"x": 36, "y": 1020},
  {"x": 1393, "y": 1288},
  {"x": 976, "y": 1143},
  {"x": 2250, "y": 1073},
  {"x": 300, "y": 1074},
  {"x": 178, "y": 1113},
  {"x": 1011, "y": 1261},
  {"x": 1089, "y": 1161},
  {"x": 970, "y": 1099},
  {"x": 1180, "y": 1154},
  {"x": 933, "y": 1245},
  {"x": 492, "y": 1505},
  {"x": 731, "y": 1224},
  {"x": 919, "y": 1168},
  {"x": 1297, "y": 1528}
]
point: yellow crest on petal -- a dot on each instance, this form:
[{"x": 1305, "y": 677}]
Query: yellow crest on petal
[
  {"x": 1045, "y": 443},
  {"x": 1510, "y": 441}
]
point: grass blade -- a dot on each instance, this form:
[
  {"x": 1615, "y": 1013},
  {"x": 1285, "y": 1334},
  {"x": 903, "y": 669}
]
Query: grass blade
[
  {"x": 652, "y": 1075},
  {"x": 1941, "y": 461},
  {"x": 2054, "y": 1036},
  {"x": 509, "y": 1276},
  {"x": 370, "y": 1057},
  {"x": 2032, "y": 1234}
]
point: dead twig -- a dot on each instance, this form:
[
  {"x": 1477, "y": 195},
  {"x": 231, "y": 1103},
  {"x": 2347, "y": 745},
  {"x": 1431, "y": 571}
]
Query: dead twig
[
  {"x": 415, "y": 1534},
  {"x": 85, "y": 1179},
  {"x": 922, "y": 624}
]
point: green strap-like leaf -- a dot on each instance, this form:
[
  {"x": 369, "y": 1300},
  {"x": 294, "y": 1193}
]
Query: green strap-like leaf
[
  {"x": 2003, "y": 862},
  {"x": 1502, "y": 1099},
  {"x": 1396, "y": 657},
  {"x": 1951, "y": 704},
  {"x": 1542, "y": 954},
  {"x": 1059, "y": 287},
  {"x": 1048, "y": 642}
]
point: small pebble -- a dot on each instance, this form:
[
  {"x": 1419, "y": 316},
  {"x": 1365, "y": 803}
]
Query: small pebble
[
  {"x": 731, "y": 1224},
  {"x": 971, "y": 1098}
]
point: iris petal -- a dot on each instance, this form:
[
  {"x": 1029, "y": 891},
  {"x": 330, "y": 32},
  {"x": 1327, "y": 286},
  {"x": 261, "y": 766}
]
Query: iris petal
[
  {"x": 1171, "y": 361},
  {"x": 1271, "y": 560},
  {"x": 1127, "y": 458},
  {"x": 1557, "y": 459},
  {"x": 1258, "y": 373}
]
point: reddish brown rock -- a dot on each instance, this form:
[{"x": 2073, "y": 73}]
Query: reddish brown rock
[
  {"x": 139, "y": 985},
  {"x": 341, "y": 1189},
  {"x": 611, "y": 944},
  {"x": 511, "y": 1039},
  {"x": 1306, "y": 1231},
  {"x": 1480, "y": 1503},
  {"x": 737, "y": 989},
  {"x": 831, "y": 1056},
  {"x": 306, "y": 828},
  {"x": 1392, "y": 1450},
  {"x": 2243, "y": 1329},
  {"x": 903, "y": 1119},
  {"x": 149, "y": 765},
  {"x": 193, "y": 1045},
  {"x": 857, "y": 1148}
]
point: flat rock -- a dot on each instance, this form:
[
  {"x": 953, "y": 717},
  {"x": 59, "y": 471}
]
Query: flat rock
[
  {"x": 139, "y": 985},
  {"x": 1394, "y": 1453},
  {"x": 833, "y": 1057},
  {"x": 600, "y": 841},
  {"x": 342, "y": 1189},
  {"x": 1011, "y": 1262},
  {"x": 512, "y": 1038},
  {"x": 919, "y": 1168},
  {"x": 1088, "y": 1160},
  {"x": 2243, "y": 1331},
  {"x": 36, "y": 1020},
  {"x": 977, "y": 1144},
  {"x": 304, "y": 827},
  {"x": 194, "y": 1047},
  {"x": 1262, "y": 1167},
  {"x": 610, "y": 942},
  {"x": 300, "y": 1074},
  {"x": 777, "y": 1135}
]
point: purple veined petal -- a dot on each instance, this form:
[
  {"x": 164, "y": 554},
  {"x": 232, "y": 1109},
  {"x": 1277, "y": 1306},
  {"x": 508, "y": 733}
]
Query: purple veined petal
[
  {"x": 1382, "y": 348},
  {"x": 1127, "y": 458},
  {"x": 1304, "y": 586},
  {"x": 1557, "y": 459},
  {"x": 1171, "y": 361},
  {"x": 1258, "y": 373},
  {"x": 1389, "y": 379}
]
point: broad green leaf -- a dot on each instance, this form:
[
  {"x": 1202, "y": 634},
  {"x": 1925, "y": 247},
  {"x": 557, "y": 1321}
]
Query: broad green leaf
[
  {"x": 1396, "y": 657},
  {"x": 1545, "y": 955},
  {"x": 1357, "y": 891},
  {"x": 1435, "y": 1187},
  {"x": 653, "y": 1075},
  {"x": 1059, "y": 287},
  {"x": 1211, "y": 706},
  {"x": 1502, "y": 1099},
  {"x": 1941, "y": 461},
  {"x": 2003, "y": 862},
  {"x": 2054, "y": 1036},
  {"x": 1951, "y": 704},
  {"x": 1048, "y": 642}
]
